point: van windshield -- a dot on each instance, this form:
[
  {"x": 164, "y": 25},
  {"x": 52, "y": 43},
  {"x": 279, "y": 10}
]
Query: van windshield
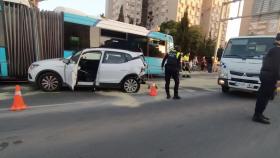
[{"x": 246, "y": 48}]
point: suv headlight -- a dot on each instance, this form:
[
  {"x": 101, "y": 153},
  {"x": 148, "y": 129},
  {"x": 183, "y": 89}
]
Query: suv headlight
[{"x": 33, "y": 66}]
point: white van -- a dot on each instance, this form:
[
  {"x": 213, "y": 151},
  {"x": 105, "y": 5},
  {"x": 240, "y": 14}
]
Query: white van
[{"x": 242, "y": 61}]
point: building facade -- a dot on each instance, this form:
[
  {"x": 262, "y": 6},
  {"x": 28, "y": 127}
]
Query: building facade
[
  {"x": 132, "y": 10},
  {"x": 152, "y": 13},
  {"x": 262, "y": 17},
  {"x": 165, "y": 10},
  {"x": 212, "y": 12}
]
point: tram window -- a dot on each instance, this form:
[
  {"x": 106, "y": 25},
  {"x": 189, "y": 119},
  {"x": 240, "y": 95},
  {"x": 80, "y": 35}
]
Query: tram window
[
  {"x": 137, "y": 43},
  {"x": 76, "y": 37},
  {"x": 113, "y": 34},
  {"x": 161, "y": 42},
  {"x": 114, "y": 43},
  {"x": 157, "y": 48},
  {"x": 2, "y": 35}
]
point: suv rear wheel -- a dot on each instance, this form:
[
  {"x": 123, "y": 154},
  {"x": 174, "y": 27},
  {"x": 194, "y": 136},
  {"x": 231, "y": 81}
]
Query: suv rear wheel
[
  {"x": 131, "y": 85},
  {"x": 49, "y": 82}
]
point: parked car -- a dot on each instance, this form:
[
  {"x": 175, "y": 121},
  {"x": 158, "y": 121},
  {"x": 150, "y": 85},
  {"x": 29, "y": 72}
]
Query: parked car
[{"x": 96, "y": 67}]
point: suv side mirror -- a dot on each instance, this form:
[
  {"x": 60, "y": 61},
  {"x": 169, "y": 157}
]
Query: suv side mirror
[{"x": 66, "y": 61}]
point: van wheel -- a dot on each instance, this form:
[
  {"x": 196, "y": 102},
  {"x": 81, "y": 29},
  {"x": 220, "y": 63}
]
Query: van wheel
[
  {"x": 131, "y": 85},
  {"x": 225, "y": 89},
  {"x": 49, "y": 82}
]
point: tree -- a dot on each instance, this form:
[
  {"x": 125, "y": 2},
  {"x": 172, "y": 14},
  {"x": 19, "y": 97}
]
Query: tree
[
  {"x": 207, "y": 47},
  {"x": 189, "y": 39},
  {"x": 102, "y": 15},
  {"x": 195, "y": 39},
  {"x": 130, "y": 20},
  {"x": 121, "y": 15},
  {"x": 169, "y": 27},
  {"x": 150, "y": 19},
  {"x": 182, "y": 38}
]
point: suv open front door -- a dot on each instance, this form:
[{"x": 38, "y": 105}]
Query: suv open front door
[
  {"x": 71, "y": 70},
  {"x": 71, "y": 75}
]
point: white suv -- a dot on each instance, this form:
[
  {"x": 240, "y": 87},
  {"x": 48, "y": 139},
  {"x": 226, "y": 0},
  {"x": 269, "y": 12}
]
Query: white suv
[{"x": 96, "y": 67}]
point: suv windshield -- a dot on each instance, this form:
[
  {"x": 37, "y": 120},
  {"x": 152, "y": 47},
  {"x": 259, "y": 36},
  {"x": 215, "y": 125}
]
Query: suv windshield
[{"x": 248, "y": 48}]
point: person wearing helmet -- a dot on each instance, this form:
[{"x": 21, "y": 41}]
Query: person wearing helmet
[
  {"x": 171, "y": 62},
  {"x": 270, "y": 74}
]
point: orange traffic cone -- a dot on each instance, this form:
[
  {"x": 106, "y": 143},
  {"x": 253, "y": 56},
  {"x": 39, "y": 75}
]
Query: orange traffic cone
[
  {"x": 153, "y": 90},
  {"x": 18, "y": 104}
]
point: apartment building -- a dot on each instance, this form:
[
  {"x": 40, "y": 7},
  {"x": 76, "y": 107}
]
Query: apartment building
[
  {"x": 212, "y": 12},
  {"x": 262, "y": 17},
  {"x": 132, "y": 10},
  {"x": 153, "y": 12},
  {"x": 164, "y": 10}
]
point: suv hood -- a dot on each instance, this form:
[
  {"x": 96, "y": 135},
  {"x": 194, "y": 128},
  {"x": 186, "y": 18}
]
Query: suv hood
[
  {"x": 240, "y": 65},
  {"x": 52, "y": 62}
]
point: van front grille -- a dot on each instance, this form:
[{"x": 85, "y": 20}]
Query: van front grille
[
  {"x": 244, "y": 74},
  {"x": 245, "y": 81}
]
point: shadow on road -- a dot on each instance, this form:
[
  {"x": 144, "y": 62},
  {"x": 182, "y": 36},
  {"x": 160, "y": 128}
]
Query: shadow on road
[{"x": 240, "y": 94}]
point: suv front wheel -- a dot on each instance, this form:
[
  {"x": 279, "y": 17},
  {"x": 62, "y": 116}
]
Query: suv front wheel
[
  {"x": 49, "y": 82},
  {"x": 131, "y": 85}
]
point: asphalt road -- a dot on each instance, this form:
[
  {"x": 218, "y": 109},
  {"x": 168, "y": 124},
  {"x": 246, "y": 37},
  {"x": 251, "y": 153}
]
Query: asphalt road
[
  {"x": 207, "y": 124},
  {"x": 212, "y": 126},
  {"x": 200, "y": 83}
]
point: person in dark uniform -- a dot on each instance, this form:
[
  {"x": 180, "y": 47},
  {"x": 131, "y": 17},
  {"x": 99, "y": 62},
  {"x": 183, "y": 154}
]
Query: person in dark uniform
[
  {"x": 172, "y": 63},
  {"x": 209, "y": 61},
  {"x": 269, "y": 77}
]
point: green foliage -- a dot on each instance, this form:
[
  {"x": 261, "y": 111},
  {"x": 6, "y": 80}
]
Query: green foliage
[
  {"x": 182, "y": 38},
  {"x": 207, "y": 47},
  {"x": 195, "y": 39},
  {"x": 169, "y": 27},
  {"x": 189, "y": 38},
  {"x": 102, "y": 15}
]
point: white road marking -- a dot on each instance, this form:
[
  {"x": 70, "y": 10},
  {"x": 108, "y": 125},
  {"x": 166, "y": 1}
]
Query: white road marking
[{"x": 49, "y": 105}]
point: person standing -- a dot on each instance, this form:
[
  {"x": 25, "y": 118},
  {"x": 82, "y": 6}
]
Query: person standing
[
  {"x": 203, "y": 63},
  {"x": 209, "y": 61},
  {"x": 195, "y": 61},
  {"x": 269, "y": 76},
  {"x": 215, "y": 64},
  {"x": 186, "y": 64},
  {"x": 171, "y": 62}
]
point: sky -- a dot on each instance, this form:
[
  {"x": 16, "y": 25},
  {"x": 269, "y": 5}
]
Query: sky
[
  {"x": 91, "y": 7},
  {"x": 97, "y": 7},
  {"x": 234, "y": 25}
]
